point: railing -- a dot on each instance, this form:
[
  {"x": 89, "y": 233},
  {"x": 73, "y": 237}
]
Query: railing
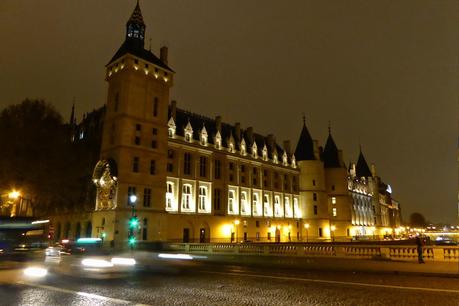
[{"x": 393, "y": 252}]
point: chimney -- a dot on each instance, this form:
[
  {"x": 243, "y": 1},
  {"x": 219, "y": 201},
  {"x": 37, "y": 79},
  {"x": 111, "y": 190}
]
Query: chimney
[
  {"x": 163, "y": 54},
  {"x": 218, "y": 123},
  {"x": 237, "y": 127},
  {"x": 316, "y": 149},
  {"x": 373, "y": 170},
  {"x": 271, "y": 141},
  {"x": 174, "y": 110},
  {"x": 249, "y": 133},
  {"x": 287, "y": 146}
]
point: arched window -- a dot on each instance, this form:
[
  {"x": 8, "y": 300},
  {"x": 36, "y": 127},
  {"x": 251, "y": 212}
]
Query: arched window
[
  {"x": 231, "y": 200},
  {"x": 244, "y": 203},
  {"x": 202, "y": 197},
  {"x": 186, "y": 196},
  {"x": 255, "y": 204}
]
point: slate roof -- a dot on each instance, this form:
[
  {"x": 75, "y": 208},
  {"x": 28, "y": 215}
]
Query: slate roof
[
  {"x": 198, "y": 121},
  {"x": 305, "y": 147},
  {"x": 362, "y": 168},
  {"x": 135, "y": 46},
  {"x": 330, "y": 155}
]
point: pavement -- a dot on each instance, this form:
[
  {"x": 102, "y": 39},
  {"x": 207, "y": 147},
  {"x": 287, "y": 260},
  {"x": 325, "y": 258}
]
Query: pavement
[
  {"x": 444, "y": 269},
  {"x": 195, "y": 282}
]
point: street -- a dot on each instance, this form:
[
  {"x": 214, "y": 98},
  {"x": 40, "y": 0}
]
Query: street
[{"x": 204, "y": 283}]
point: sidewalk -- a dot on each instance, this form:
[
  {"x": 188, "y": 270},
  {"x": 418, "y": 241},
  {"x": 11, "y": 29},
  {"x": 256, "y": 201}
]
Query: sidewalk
[{"x": 450, "y": 269}]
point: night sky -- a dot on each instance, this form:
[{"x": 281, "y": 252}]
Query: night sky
[{"x": 384, "y": 73}]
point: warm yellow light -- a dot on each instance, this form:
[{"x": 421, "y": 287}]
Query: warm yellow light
[
  {"x": 278, "y": 227},
  {"x": 333, "y": 228},
  {"x": 306, "y": 225},
  {"x": 289, "y": 226},
  {"x": 14, "y": 195},
  {"x": 237, "y": 222}
]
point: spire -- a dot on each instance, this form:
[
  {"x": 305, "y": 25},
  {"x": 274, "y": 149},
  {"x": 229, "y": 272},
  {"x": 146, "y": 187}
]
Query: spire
[
  {"x": 305, "y": 147},
  {"x": 362, "y": 169},
  {"x": 330, "y": 155},
  {"x": 135, "y": 28},
  {"x": 72, "y": 114}
]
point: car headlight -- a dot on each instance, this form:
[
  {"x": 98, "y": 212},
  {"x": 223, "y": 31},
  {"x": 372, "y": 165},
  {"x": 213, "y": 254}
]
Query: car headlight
[
  {"x": 96, "y": 263},
  {"x": 123, "y": 261},
  {"x": 35, "y": 272}
]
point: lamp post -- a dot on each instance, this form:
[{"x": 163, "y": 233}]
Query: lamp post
[
  {"x": 236, "y": 223},
  {"x": 333, "y": 228},
  {"x": 133, "y": 222},
  {"x": 306, "y": 226}
]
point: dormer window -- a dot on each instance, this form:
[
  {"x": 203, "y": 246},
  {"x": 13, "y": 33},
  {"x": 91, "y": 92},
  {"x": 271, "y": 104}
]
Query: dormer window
[
  {"x": 243, "y": 148},
  {"x": 265, "y": 153},
  {"x": 293, "y": 161},
  {"x": 218, "y": 140},
  {"x": 254, "y": 150},
  {"x": 171, "y": 128},
  {"x": 203, "y": 136},
  {"x": 285, "y": 159},
  {"x": 275, "y": 158},
  {"x": 188, "y": 132}
]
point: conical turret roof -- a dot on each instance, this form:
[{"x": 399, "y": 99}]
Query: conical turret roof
[
  {"x": 330, "y": 155},
  {"x": 305, "y": 147},
  {"x": 362, "y": 169}
]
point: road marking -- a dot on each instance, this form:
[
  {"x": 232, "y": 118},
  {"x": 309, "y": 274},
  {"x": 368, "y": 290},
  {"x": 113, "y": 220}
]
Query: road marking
[
  {"x": 80, "y": 293},
  {"x": 333, "y": 282}
]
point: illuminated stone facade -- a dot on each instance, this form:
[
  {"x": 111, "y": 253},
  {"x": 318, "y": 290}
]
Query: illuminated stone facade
[{"x": 197, "y": 179}]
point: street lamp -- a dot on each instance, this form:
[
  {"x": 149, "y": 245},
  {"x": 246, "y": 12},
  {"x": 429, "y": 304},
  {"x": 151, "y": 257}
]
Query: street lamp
[
  {"x": 333, "y": 228},
  {"x": 132, "y": 199},
  {"x": 13, "y": 195},
  {"x": 306, "y": 226}
]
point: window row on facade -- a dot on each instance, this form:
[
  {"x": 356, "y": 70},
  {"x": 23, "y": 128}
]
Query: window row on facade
[
  {"x": 191, "y": 196},
  {"x": 244, "y": 150}
]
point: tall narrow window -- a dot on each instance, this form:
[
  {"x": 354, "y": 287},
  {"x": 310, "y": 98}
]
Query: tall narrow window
[
  {"x": 152, "y": 167},
  {"x": 217, "y": 164},
  {"x": 245, "y": 208},
  {"x": 315, "y": 209},
  {"x": 187, "y": 163},
  {"x": 186, "y": 196},
  {"x": 135, "y": 164},
  {"x": 255, "y": 204},
  {"x": 277, "y": 206},
  {"x": 153, "y": 140},
  {"x": 202, "y": 198},
  {"x": 155, "y": 106},
  {"x": 217, "y": 198},
  {"x": 314, "y": 196},
  {"x": 334, "y": 211},
  {"x": 266, "y": 204},
  {"x": 144, "y": 229},
  {"x": 202, "y": 166},
  {"x": 231, "y": 201},
  {"x": 138, "y": 131},
  {"x": 146, "y": 197},
  {"x": 169, "y": 195}
]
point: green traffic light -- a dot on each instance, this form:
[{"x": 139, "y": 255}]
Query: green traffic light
[
  {"x": 134, "y": 222},
  {"x": 132, "y": 240}
]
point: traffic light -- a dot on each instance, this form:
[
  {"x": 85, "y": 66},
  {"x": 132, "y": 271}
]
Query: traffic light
[
  {"x": 132, "y": 241},
  {"x": 133, "y": 222}
]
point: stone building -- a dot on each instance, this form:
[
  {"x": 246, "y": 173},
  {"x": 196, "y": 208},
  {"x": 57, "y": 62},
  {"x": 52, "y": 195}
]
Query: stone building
[{"x": 191, "y": 178}]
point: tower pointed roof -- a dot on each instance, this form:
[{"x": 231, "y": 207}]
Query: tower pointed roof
[
  {"x": 135, "y": 41},
  {"x": 136, "y": 16},
  {"x": 330, "y": 155},
  {"x": 305, "y": 147},
  {"x": 362, "y": 169}
]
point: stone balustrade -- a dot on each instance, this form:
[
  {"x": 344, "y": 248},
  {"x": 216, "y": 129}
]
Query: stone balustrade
[{"x": 392, "y": 252}]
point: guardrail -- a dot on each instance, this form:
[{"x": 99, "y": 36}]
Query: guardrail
[{"x": 393, "y": 252}]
